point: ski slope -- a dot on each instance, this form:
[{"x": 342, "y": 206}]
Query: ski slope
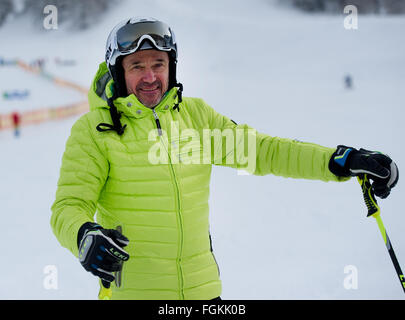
[{"x": 278, "y": 70}]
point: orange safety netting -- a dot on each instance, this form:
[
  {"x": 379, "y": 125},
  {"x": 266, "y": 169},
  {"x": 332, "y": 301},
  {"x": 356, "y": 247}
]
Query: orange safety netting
[
  {"x": 50, "y": 113},
  {"x": 44, "y": 114}
]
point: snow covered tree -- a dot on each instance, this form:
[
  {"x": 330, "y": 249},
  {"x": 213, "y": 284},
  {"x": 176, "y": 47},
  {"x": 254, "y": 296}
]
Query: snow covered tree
[
  {"x": 310, "y": 5},
  {"x": 6, "y": 7},
  {"x": 77, "y": 14},
  {"x": 364, "y": 6},
  {"x": 394, "y": 6},
  {"x": 337, "y": 6}
]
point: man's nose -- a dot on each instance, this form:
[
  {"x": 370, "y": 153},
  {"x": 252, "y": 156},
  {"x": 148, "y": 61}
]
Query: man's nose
[{"x": 148, "y": 75}]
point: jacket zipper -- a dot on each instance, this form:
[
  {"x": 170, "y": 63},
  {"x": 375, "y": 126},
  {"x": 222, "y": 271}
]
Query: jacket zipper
[
  {"x": 178, "y": 205},
  {"x": 157, "y": 122}
]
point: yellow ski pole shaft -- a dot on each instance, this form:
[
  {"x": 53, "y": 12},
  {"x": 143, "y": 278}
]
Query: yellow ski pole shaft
[
  {"x": 105, "y": 290},
  {"x": 374, "y": 211}
]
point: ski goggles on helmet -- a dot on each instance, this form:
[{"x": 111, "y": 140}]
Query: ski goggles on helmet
[{"x": 130, "y": 37}]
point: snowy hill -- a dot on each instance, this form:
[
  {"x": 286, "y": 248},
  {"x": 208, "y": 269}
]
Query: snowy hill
[{"x": 277, "y": 70}]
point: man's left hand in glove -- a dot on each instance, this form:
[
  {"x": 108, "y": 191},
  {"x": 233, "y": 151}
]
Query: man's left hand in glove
[{"x": 347, "y": 161}]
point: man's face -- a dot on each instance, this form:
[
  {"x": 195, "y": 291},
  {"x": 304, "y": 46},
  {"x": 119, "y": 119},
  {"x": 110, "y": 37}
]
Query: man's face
[{"x": 147, "y": 75}]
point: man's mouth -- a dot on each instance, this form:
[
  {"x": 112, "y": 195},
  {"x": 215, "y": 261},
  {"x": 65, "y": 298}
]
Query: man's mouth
[{"x": 149, "y": 90}]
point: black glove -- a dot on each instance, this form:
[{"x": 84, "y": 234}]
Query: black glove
[
  {"x": 347, "y": 161},
  {"x": 100, "y": 250}
]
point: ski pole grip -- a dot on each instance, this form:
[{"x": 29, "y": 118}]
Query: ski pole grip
[{"x": 368, "y": 196}]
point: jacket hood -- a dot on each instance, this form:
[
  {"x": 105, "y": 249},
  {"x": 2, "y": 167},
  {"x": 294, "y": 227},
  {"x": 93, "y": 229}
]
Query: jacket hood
[{"x": 102, "y": 88}]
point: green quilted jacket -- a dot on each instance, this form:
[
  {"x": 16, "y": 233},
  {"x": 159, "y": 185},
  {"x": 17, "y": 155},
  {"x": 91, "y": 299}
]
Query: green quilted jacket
[{"x": 153, "y": 183}]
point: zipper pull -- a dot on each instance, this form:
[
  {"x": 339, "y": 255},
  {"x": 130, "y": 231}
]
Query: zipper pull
[{"x": 157, "y": 122}]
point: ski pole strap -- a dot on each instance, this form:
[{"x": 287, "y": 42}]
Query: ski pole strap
[
  {"x": 372, "y": 205},
  {"x": 368, "y": 196}
]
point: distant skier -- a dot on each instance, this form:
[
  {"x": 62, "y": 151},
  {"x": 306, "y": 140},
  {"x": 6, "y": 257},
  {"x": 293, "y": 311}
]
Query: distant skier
[
  {"x": 158, "y": 210},
  {"x": 16, "y": 123},
  {"x": 348, "y": 80}
]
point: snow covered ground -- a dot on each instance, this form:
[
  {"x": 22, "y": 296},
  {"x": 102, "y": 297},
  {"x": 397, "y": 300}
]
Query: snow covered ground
[{"x": 277, "y": 70}]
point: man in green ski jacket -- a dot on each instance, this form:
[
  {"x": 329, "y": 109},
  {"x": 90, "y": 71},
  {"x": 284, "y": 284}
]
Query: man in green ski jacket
[{"x": 141, "y": 160}]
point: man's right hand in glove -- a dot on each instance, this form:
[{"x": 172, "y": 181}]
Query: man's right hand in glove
[{"x": 100, "y": 250}]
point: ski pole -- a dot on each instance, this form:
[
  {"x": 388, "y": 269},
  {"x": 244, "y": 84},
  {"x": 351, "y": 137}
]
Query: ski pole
[
  {"x": 374, "y": 211},
  {"x": 105, "y": 290}
]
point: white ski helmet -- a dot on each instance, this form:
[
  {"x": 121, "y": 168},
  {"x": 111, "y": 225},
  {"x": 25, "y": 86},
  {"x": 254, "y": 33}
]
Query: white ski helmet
[{"x": 134, "y": 34}]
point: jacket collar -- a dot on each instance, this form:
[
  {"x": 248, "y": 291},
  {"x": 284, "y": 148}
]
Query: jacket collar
[
  {"x": 132, "y": 107},
  {"x": 102, "y": 89}
]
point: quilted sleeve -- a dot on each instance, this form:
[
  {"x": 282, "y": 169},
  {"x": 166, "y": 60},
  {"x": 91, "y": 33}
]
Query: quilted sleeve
[
  {"x": 242, "y": 147},
  {"x": 83, "y": 173}
]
